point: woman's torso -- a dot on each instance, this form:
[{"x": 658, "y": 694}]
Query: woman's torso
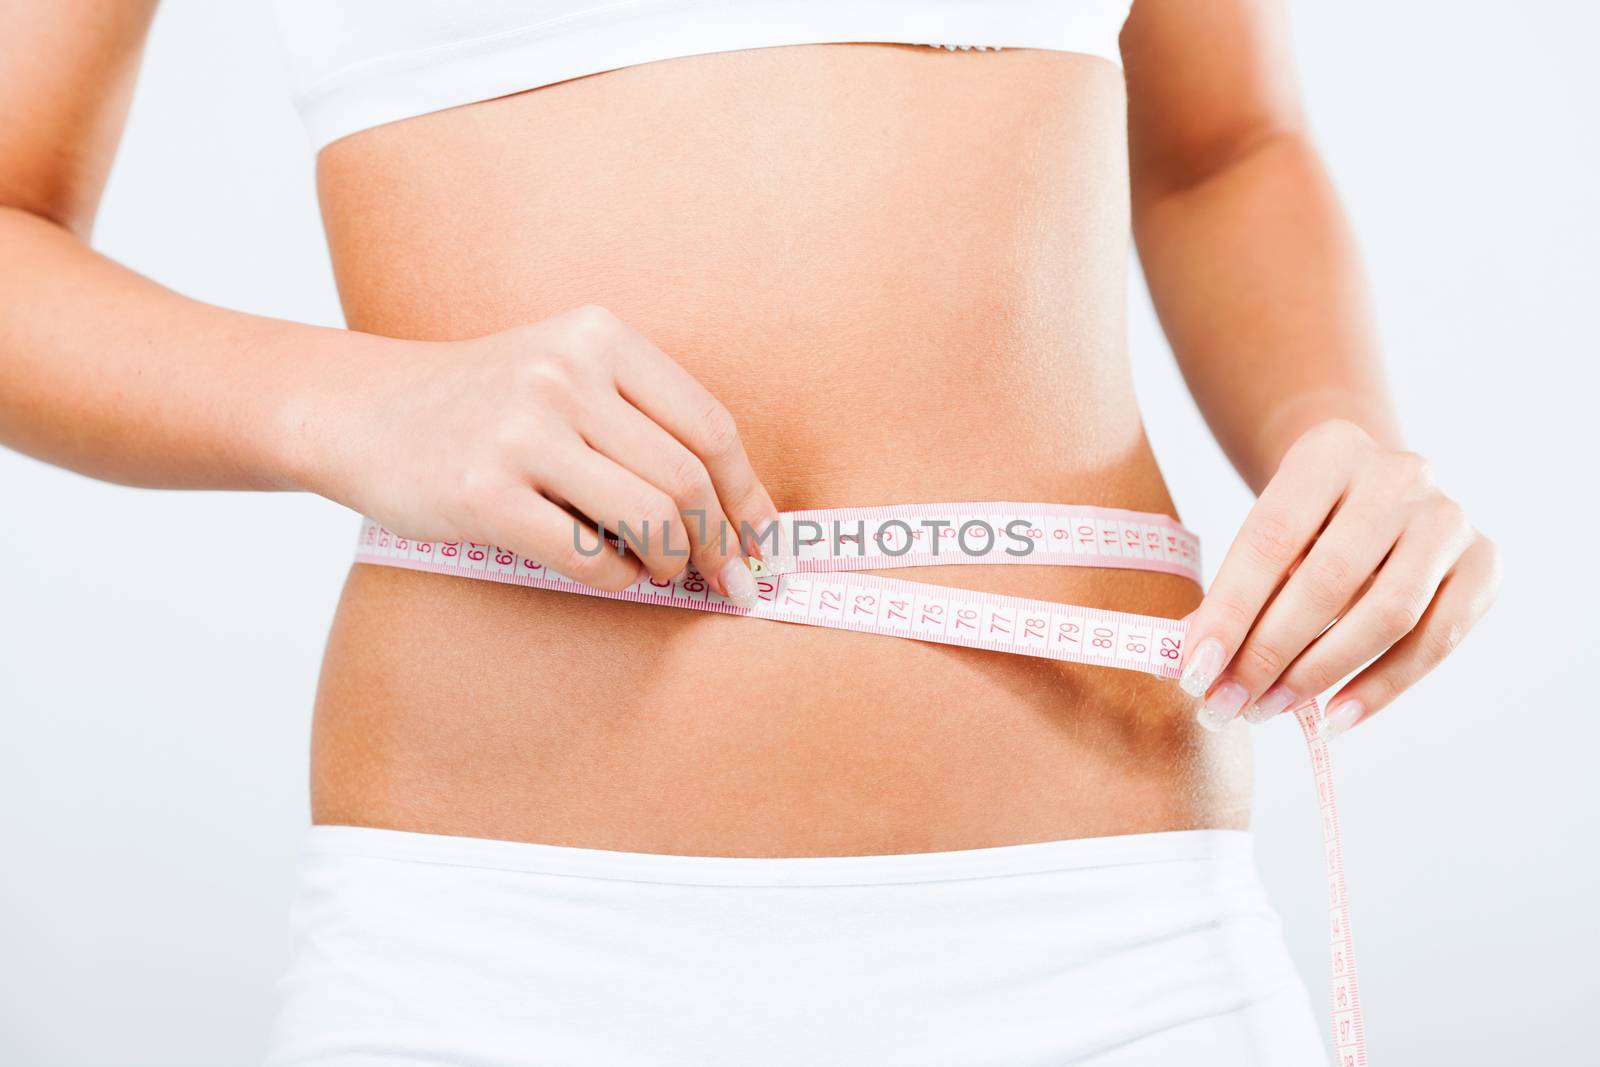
[{"x": 903, "y": 270}]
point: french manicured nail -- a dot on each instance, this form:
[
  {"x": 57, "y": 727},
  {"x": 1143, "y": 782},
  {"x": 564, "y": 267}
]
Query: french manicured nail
[
  {"x": 1272, "y": 703},
  {"x": 1203, "y": 667},
  {"x": 1223, "y": 706},
  {"x": 738, "y": 584},
  {"x": 1340, "y": 718}
]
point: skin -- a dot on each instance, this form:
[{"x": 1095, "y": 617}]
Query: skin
[{"x": 769, "y": 280}]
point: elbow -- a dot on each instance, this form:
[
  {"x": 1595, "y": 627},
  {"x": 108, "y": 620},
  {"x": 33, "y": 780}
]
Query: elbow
[
  {"x": 1201, "y": 166},
  {"x": 63, "y": 204}
]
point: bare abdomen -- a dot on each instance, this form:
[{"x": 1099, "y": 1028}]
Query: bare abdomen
[{"x": 903, "y": 271}]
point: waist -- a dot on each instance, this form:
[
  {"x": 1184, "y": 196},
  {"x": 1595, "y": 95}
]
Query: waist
[{"x": 463, "y": 707}]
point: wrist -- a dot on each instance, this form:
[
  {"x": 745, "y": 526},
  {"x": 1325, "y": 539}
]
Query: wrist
[
  {"x": 1297, "y": 414},
  {"x": 315, "y": 433}
]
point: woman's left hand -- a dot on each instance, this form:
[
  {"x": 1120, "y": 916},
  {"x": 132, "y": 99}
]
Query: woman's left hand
[{"x": 1351, "y": 552}]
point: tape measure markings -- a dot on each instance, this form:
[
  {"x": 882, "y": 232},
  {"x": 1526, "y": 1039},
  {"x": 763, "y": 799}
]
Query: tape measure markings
[{"x": 1059, "y": 535}]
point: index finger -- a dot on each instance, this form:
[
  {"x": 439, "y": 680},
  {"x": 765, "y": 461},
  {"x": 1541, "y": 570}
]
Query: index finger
[
  {"x": 1280, "y": 526},
  {"x": 657, "y": 385}
]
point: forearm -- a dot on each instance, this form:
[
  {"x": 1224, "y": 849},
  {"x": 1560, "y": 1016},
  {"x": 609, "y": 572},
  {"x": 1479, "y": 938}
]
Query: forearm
[
  {"x": 1259, "y": 287},
  {"x": 109, "y": 374}
]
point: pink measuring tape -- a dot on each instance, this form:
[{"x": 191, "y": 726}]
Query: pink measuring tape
[{"x": 818, "y": 585}]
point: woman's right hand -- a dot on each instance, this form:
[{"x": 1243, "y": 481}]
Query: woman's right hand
[{"x": 493, "y": 440}]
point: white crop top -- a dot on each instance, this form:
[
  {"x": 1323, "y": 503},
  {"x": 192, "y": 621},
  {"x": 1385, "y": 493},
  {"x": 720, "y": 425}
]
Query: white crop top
[{"x": 362, "y": 63}]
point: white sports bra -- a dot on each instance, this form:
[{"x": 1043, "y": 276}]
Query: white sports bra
[{"x": 362, "y": 63}]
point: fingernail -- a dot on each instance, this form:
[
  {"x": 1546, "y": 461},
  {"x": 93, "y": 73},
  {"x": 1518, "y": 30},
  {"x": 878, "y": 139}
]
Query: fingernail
[
  {"x": 1223, "y": 706},
  {"x": 738, "y": 584},
  {"x": 1203, "y": 668},
  {"x": 1340, "y": 718},
  {"x": 1271, "y": 704}
]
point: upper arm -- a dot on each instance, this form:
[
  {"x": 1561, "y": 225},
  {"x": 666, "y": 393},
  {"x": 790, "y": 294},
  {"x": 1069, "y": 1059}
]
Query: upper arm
[
  {"x": 1208, "y": 81},
  {"x": 67, "y": 69}
]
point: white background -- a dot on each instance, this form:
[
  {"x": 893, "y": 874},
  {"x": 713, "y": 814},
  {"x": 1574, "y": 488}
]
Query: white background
[{"x": 158, "y": 651}]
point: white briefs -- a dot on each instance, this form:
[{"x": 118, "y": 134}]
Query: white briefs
[{"x": 1147, "y": 949}]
